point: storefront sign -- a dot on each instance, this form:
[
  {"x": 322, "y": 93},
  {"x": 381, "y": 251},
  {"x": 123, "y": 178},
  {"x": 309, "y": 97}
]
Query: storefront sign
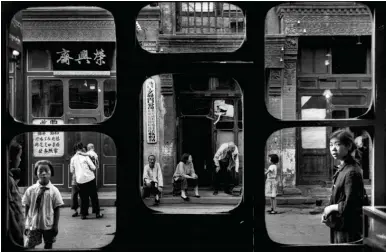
[
  {"x": 48, "y": 144},
  {"x": 15, "y": 35},
  {"x": 151, "y": 115},
  {"x": 73, "y": 56}
]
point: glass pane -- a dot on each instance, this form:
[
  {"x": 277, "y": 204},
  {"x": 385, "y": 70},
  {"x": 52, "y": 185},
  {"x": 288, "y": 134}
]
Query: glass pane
[
  {"x": 303, "y": 184},
  {"x": 83, "y": 94},
  {"x": 82, "y": 120},
  {"x": 187, "y": 121},
  {"x": 110, "y": 96},
  {"x": 349, "y": 100},
  {"x": 223, "y": 25},
  {"x": 47, "y": 98},
  {"x": 39, "y": 60},
  {"x": 313, "y": 137},
  {"x": 109, "y": 147},
  {"x": 339, "y": 114}
]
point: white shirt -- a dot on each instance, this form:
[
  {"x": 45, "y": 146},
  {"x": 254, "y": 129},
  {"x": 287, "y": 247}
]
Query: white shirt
[
  {"x": 51, "y": 200},
  {"x": 272, "y": 172},
  {"x": 221, "y": 154},
  {"x": 153, "y": 174},
  {"x": 82, "y": 165}
]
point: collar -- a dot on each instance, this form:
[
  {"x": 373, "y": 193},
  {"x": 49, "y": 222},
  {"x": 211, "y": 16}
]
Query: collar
[{"x": 49, "y": 185}]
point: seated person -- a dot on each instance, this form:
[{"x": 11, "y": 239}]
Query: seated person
[
  {"x": 152, "y": 179},
  {"x": 185, "y": 173}
]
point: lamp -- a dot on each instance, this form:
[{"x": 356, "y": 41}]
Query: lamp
[
  {"x": 327, "y": 93},
  {"x": 359, "y": 40},
  {"x": 15, "y": 58},
  {"x": 15, "y": 53}
]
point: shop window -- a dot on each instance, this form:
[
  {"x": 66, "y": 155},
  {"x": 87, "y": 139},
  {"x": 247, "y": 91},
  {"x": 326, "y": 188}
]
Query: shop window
[
  {"x": 108, "y": 147},
  {"x": 194, "y": 106},
  {"x": 109, "y": 96},
  {"x": 313, "y": 60},
  {"x": 39, "y": 60},
  {"x": 348, "y": 100},
  {"x": 347, "y": 50},
  {"x": 83, "y": 93},
  {"x": 47, "y": 98}
]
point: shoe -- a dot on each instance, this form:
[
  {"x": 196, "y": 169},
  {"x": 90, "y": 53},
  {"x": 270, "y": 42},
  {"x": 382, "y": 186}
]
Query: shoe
[
  {"x": 268, "y": 211},
  {"x": 186, "y": 199},
  {"x": 228, "y": 192},
  {"x": 83, "y": 217},
  {"x": 197, "y": 196},
  {"x": 215, "y": 192},
  {"x": 98, "y": 216},
  {"x": 75, "y": 214},
  {"x": 273, "y": 212}
]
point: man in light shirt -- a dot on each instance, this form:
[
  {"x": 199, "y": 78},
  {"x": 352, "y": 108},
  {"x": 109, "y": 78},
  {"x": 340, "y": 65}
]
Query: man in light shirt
[
  {"x": 152, "y": 179},
  {"x": 91, "y": 152},
  {"x": 85, "y": 178},
  {"x": 225, "y": 159}
]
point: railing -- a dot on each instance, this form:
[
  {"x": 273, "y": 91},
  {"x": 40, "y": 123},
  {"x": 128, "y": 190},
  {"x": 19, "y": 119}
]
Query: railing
[{"x": 209, "y": 18}]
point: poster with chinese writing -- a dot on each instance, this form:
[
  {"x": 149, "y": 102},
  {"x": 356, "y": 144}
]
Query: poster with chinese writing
[
  {"x": 48, "y": 144},
  {"x": 151, "y": 115}
]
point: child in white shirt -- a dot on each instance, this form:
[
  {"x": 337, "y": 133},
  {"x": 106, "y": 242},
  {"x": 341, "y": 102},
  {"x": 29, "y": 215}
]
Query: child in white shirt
[
  {"x": 42, "y": 201},
  {"x": 270, "y": 183}
]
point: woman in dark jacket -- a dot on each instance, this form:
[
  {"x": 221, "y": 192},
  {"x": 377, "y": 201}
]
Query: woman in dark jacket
[{"x": 344, "y": 214}]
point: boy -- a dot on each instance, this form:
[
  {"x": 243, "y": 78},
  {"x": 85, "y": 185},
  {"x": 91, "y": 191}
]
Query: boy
[
  {"x": 152, "y": 180},
  {"x": 41, "y": 200}
]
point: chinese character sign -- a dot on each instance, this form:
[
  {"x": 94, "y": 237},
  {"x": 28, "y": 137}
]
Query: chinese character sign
[
  {"x": 48, "y": 144},
  {"x": 82, "y": 56},
  {"x": 151, "y": 115}
]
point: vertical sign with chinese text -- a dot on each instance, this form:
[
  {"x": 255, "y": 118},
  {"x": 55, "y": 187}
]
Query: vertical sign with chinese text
[
  {"x": 151, "y": 115},
  {"x": 48, "y": 144}
]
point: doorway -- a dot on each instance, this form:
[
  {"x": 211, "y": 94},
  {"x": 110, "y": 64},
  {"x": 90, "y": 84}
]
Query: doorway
[{"x": 196, "y": 139}]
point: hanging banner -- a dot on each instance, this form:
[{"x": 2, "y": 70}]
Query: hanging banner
[
  {"x": 48, "y": 144},
  {"x": 151, "y": 111},
  {"x": 81, "y": 56}
]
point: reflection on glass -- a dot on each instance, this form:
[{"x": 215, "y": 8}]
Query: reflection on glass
[
  {"x": 219, "y": 22},
  {"x": 110, "y": 94},
  {"x": 201, "y": 122},
  {"x": 109, "y": 147},
  {"x": 83, "y": 93},
  {"x": 47, "y": 98}
]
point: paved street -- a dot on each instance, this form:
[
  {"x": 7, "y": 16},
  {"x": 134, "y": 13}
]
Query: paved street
[
  {"x": 296, "y": 226},
  {"x": 89, "y": 233}
]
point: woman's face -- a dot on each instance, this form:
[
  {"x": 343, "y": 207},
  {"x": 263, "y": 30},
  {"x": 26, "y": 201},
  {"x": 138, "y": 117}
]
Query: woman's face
[
  {"x": 44, "y": 174},
  {"x": 338, "y": 150},
  {"x": 190, "y": 159}
]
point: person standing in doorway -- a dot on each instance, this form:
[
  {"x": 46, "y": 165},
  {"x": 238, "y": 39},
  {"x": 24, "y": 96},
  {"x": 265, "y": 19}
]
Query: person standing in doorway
[
  {"x": 83, "y": 168},
  {"x": 271, "y": 183},
  {"x": 226, "y": 160},
  {"x": 94, "y": 158},
  {"x": 15, "y": 208},
  {"x": 152, "y": 180}
]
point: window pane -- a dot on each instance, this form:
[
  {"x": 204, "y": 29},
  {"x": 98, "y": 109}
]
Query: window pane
[
  {"x": 347, "y": 50},
  {"x": 109, "y": 147},
  {"x": 39, "y": 60},
  {"x": 110, "y": 94},
  {"x": 83, "y": 94},
  {"x": 349, "y": 100},
  {"x": 47, "y": 98}
]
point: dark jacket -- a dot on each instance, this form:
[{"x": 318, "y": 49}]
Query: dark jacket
[{"x": 348, "y": 193}]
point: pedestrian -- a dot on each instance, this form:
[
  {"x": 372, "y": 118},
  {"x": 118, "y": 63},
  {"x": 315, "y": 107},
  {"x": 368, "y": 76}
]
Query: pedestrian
[
  {"x": 82, "y": 166},
  {"x": 185, "y": 174},
  {"x": 42, "y": 202},
  {"x": 226, "y": 161},
  {"x": 271, "y": 183},
  {"x": 344, "y": 213},
  {"x": 94, "y": 158},
  {"x": 152, "y": 180},
  {"x": 15, "y": 208},
  {"x": 74, "y": 193}
]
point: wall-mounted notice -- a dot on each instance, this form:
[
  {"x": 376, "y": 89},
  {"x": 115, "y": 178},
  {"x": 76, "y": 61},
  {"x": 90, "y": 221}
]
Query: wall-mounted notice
[
  {"x": 48, "y": 144},
  {"x": 151, "y": 115}
]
